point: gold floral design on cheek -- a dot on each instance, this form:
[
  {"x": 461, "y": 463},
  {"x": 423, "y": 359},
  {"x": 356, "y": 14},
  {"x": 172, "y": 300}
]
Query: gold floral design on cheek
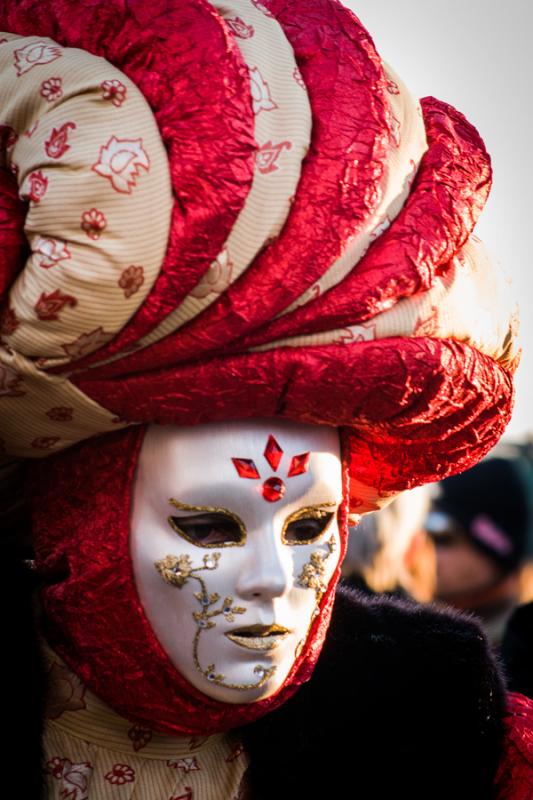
[
  {"x": 177, "y": 571},
  {"x": 207, "y": 510},
  {"x": 312, "y": 575}
]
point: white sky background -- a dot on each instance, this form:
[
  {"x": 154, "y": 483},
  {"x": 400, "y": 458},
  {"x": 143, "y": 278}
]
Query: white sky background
[{"x": 477, "y": 55}]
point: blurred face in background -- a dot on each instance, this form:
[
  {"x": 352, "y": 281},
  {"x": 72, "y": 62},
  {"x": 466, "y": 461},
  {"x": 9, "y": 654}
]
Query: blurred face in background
[{"x": 462, "y": 569}]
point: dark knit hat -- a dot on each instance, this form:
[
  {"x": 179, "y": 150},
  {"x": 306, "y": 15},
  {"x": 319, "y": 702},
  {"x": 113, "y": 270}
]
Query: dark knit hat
[{"x": 488, "y": 504}]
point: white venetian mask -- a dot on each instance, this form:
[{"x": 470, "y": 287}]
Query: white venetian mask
[{"x": 234, "y": 539}]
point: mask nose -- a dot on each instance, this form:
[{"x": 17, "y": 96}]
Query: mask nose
[{"x": 267, "y": 572}]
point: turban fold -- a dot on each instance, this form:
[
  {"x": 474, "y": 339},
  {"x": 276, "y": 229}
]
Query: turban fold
[{"x": 237, "y": 210}]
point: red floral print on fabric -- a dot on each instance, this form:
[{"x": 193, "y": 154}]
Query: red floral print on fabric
[
  {"x": 120, "y": 161},
  {"x": 74, "y": 777},
  {"x": 261, "y": 98},
  {"x": 263, "y": 9},
  {"x": 197, "y": 741},
  {"x": 114, "y": 90},
  {"x": 167, "y": 76},
  {"x": 380, "y": 228},
  {"x": 396, "y": 132},
  {"x": 35, "y": 54},
  {"x": 217, "y": 278},
  {"x": 268, "y": 154},
  {"x": 57, "y": 143},
  {"x": 365, "y": 332},
  {"x": 50, "y": 252},
  {"x": 48, "y": 306},
  {"x": 86, "y": 343},
  {"x": 29, "y": 133},
  {"x": 9, "y": 321},
  {"x": 298, "y": 77},
  {"x": 38, "y": 184},
  {"x": 187, "y": 764},
  {"x": 93, "y": 222},
  {"x": 60, "y": 413},
  {"x": 187, "y": 796},
  {"x": 120, "y": 774},
  {"x": 427, "y": 326},
  {"x": 52, "y": 89},
  {"x": 45, "y": 442},
  {"x": 392, "y": 87},
  {"x": 65, "y": 690},
  {"x": 10, "y": 381},
  {"x": 240, "y": 28},
  {"x": 131, "y": 280},
  {"x": 237, "y": 750},
  {"x": 139, "y": 736}
]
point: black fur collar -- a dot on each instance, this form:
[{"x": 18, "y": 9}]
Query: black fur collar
[{"x": 406, "y": 702}]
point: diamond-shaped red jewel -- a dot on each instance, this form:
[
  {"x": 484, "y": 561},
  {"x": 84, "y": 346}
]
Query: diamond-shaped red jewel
[
  {"x": 273, "y": 489},
  {"x": 299, "y": 464},
  {"x": 246, "y": 467},
  {"x": 273, "y": 453}
]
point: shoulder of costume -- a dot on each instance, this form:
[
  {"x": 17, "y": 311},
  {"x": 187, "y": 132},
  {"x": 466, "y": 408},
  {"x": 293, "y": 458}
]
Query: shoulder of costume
[{"x": 405, "y": 698}]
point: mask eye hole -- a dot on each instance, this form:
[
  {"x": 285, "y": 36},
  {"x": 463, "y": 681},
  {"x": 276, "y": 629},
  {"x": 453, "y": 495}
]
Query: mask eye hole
[
  {"x": 210, "y": 529},
  {"x": 307, "y": 527}
]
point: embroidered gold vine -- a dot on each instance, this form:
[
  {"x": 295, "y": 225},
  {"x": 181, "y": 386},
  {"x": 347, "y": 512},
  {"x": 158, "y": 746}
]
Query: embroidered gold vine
[
  {"x": 313, "y": 572},
  {"x": 177, "y": 571}
]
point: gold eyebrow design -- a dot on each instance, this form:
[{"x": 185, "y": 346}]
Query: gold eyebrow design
[
  {"x": 209, "y": 510},
  {"x": 315, "y": 512}
]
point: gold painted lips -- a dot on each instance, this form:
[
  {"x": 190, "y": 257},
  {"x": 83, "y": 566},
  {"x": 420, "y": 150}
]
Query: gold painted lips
[{"x": 258, "y": 637}]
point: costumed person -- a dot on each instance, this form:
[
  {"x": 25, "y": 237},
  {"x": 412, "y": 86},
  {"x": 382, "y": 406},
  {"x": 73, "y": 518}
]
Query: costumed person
[
  {"x": 481, "y": 525},
  {"x": 239, "y": 302}
]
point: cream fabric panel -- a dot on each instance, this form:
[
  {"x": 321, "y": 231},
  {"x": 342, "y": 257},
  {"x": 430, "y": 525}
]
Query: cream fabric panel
[
  {"x": 406, "y": 148},
  {"x": 92, "y": 753},
  {"x": 472, "y": 303},
  {"x": 282, "y": 120},
  {"x": 88, "y": 157}
]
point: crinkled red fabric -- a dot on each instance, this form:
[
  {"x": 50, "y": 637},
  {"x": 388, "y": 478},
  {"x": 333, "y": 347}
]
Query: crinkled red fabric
[
  {"x": 92, "y": 613},
  {"x": 419, "y": 408},
  {"x": 450, "y": 190},
  {"x": 447, "y": 197},
  {"x": 12, "y": 240},
  {"x": 514, "y": 779},
  {"x": 164, "y": 46},
  {"x": 338, "y": 190}
]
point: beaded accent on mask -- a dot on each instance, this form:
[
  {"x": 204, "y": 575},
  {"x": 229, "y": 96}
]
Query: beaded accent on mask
[
  {"x": 177, "y": 571},
  {"x": 273, "y": 489}
]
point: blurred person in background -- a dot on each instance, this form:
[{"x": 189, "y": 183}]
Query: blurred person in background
[
  {"x": 389, "y": 552},
  {"x": 480, "y": 522}
]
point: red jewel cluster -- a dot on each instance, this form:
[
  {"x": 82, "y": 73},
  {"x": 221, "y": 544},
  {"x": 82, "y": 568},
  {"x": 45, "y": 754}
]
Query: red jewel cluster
[{"x": 273, "y": 489}]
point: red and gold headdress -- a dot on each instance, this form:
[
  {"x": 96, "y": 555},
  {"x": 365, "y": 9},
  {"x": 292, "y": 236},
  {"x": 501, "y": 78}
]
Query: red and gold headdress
[{"x": 238, "y": 211}]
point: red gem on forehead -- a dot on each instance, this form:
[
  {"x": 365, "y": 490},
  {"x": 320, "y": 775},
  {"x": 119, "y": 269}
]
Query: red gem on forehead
[
  {"x": 299, "y": 464},
  {"x": 273, "y": 489},
  {"x": 246, "y": 468},
  {"x": 273, "y": 453}
]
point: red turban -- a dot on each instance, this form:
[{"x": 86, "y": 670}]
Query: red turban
[{"x": 319, "y": 262}]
